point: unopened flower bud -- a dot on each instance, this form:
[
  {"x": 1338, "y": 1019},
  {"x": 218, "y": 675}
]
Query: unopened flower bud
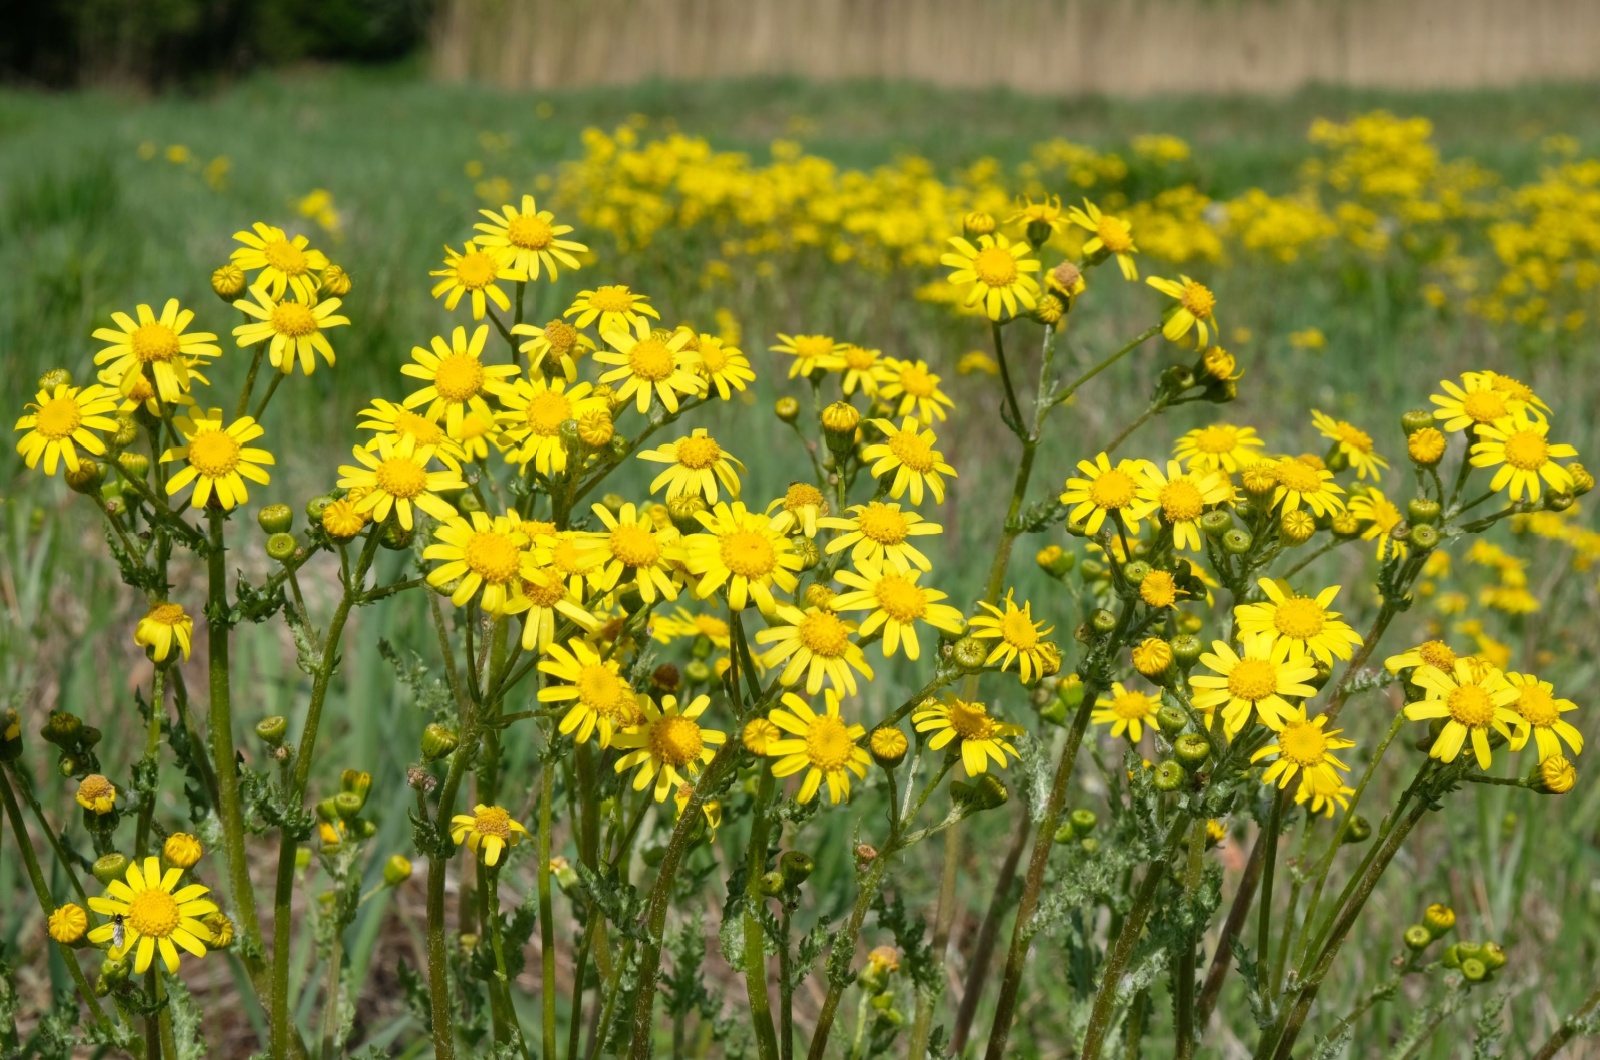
[
  {"x": 988, "y": 792},
  {"x": 1192, "y": 750},
  {"x": 977, "y": 223},
  {"x": 181, "y": 850},
  {"x": 795, "y": 867},
  {"x": 969, "y": 654},
  {"x": 1083, "y": 821},
  {"x": 888, "y": 746},
  {"x": 1297, "y": 527},
  {"x": 1054, "y": 560},
  {"x": 786, "y": 409},
  {"x": 1237, "y": 542},
  {"x": 335, "y": 282},
  {"x": 1169, "y": 776},
  {"x": 1360, "y": 830},
  {"x": 1418, "y": 938},
  {"x": 272, "y": 730},
  {"x": 1414, "y": 420},
  {"x": 54, "y": 377},
  {"x": 438, "y": 741},
  {"x": 86, "y": 477},
  {"x": 228, "y": 282},
  {"x": 1152, "y": 657},
  {"x": 396, "y": 870},
  {"x": 1553, "y": 776},
  {"x": 771, "y": 884},
  {"x": 1582, "y": 481},
  {"x": 1426, "y": 447},
  {"x": 1438, "y": 919},
  {"x": 110, "y": 867},
  {"x": 1186, "y": 649},
  {"x": 1171, "y": 720}
]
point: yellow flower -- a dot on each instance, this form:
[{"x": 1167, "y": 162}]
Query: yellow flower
[
  {"x": 879, "y": 532},
  {"x": 897, "y": 603},
  {"x": 745, "y": 552},
  {"x": 816, "y": 644},
  {"x": 1304, "y": 747},
  {"x": 182, "y": 849},
  {"x": 474, "y": 270},
  {"x": 982, "y": 736},
  {"x": 864, "y": 369},
  {"x": 61, "y": 419},
  {"x": 666, "y": 741},
  {"x": 1475, "y": 698},
  {"x": 802, "y": 507},
  {"x": 545, "y": 596},
  {"x": 1021, "y": 640},
  {"x": 488, "y": 830},
  {"x": 977, "y": 361},
  {"x": 1046, "y": 212},
  {"x": 712, "y": 808},
  {"x": 398, "y": 423},
  {"x": 1518, "y": 446},
  {"x": 760, "y": 734},
  {"x": 1103, "y": 491},
  {"x": 68, "y": 924},
  {"x": 1432, "y": 654},
  {"x": 343, "y": 519},
  {"x": 163, "y": 624},
  {"x": 1219, "y": 447},
  {"x": 601, "y": 699},
  {"x": 456, "y": 377},
  {"x": 1126, "y": 711},
  {"x": 482, "y": 553},
  {"x": 1256, "y": 680},
  {"x": 1111, "y": 235},
  {"x": 654, "y": 363},
  {"x": 809, "y": 353},
  {"x": 1516, "y": 392},
  {"x": 1305, "y": 620},
  {"x": 396, "y": 478},
  {"x": 218, "y": 459},
  {"x": 558, "y": 340},
  {"x": 721, "y": 365},
  {"x": 1475, "y": 402},
  {"x": 821, "y": 744},
  {"x": 996, "y": 273},
  {"x": 1159, "y": 588},
  {"x": 291, "y": 329},
  {"x": 1152, "y": 657},
  {"x": 683, "y": 624},
  {"x": 1179, "y": 500},
  {"x": 1354, "y": 443},
  {"x": 1297, "y": 483},
  {"x": 96, "y": 794},
  {"x": 154, "y": 348},
  {"x": 696, "y": 464},
  {"x": 1194, "y": 311},
  {"x": 534, "y": 412},
  {"x": 530, "y": 237},
  {"x": 152, "y": 916},
  {"x": 281, "y": 261},
  {"x": 632, "y": 542},
  {"x": 616, "y": 308},
  {"x": 916, "y": 389},
  {"x": 1370, "y": 506},
  {"x": 1536, "y": 704},
  {"x": 911, "y": 455}
]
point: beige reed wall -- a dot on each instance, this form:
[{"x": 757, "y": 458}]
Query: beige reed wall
[{"x": 1067, "y": 47}]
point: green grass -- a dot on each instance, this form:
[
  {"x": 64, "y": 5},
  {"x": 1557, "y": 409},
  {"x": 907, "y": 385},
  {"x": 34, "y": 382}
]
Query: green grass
[{"x": 86, "y": 227}]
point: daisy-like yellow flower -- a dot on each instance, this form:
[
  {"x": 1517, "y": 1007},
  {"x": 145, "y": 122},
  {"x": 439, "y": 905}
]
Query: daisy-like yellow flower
[
  {"x": 879, "y": 532},
  {"x": 1518, "y": 445},
  {"x": 154, "y": 349},
  {"x": 487, "y": 830},
  {"x": 809, "y": 353},
  {"x": 1255, "y": 681},
  {"x": 474, "y": 271},
  {"x": 657, "y": 363},
  {"x": 1105, "y": 490},
  {"x": 632, "y": 542},
  {"x": 455, "y": 376},
  {"x": 695, "y": 464},
  {"x": 292, "y": 330},
  {"x": 397, "y": 422},
  {"x": 996, "y": 273},
  {"x": 471, "y": 440},
  {"x": 1536, "y": 704},
  {"x": 910, "y": 389},
  {"x": 864, "y": 369},
  {"x": 744, "y": 552},
  {"x": 218, "y": 460},
  {"x": 529, "y": 237},
  {"x": 1474, "y": 402},
  {"x": 814, "y": 644},
  {"x": 1179, "y": 500},
  {"x": 1516, "y": 391},
  {"x": 1354, "y": 443},
  {"x": 282, "y": 261},
  {"x": 1194, "y": 311},
  {"x": 821, "y": 744},
  {"x": 545, "y": 597},
  {"x": 1219, "y": 447},
  {"x": 1126, "y": 711},
  {"x": 140, "y": 391},
  {"x": 616, "y": 307},
  {"x": 573, "y": 555},
  {"x": 681, "y": 623},
  {"x": 897, "y": 603},
  {"x": 535, "y": 409},
  {"x": 1475, "y": 698},
  {"x": 96, "y": 794},
  {"x": 1434, "y": 654},
  {"x": 1112, "y": 235},
  {"x": 396, "y": 478},
  {"x": 601, "y": 700},
  {"x": 1297, "y": 483},
  {"x": 801, "y": 507},
  {"x": 721, "y": 366},
  {"x": 162, "y": 626},
  {"x": 668, "y": 740},
  {"x": 154, "y": 918},
  {"x": 62, "y": 418},
  {"x": 982, "y": 735},
  {"x": 480, "y": 552},
  {"x": 1305, "y": 620},
  {"x": 1381, "y": 516},
  {"x": 1021, "y": 640},
  {"x": 910, "y": 454},
  {"x": 1046, "y": 212},
  {"x": 558, "y": 341},
  {"x": 1306, "y": 748}
]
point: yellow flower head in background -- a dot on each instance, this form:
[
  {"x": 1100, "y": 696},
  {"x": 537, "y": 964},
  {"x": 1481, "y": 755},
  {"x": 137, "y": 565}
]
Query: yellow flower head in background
[
  {"x": 982, "y": 736},
  {"x": 487, "y": 830},
  {"x": 1126, "y": 711},
  {"x": 630, "y": 541},
  {"x": 217, "y": 459},
  {"x": 397, "y": 478},
  {"x": 1536, "y": 704},
  {"x": 995, "y": 273},
  {"x": 1475, "y": 698},
  {"x": 669, "y": 745},
  {"x": 721, "y": 365},
  {"x": 1432, "y": 654},
  {"x": 896, "y": 603},
  {"x": 911, "y": 456},
  {"x": 1381, "y": 517},
  {"x": 280, "y": 261},
  {"x": 821, "y": 744},
  {"x": 479, "y": 552},
  {"x": 814, "y": 644},
  {"x": 1105, "y": 490},
  {"x": 534, "y": 411},
  {"x": 558, "y": 341},
  {"x": 475, "y": 271},
  {"x": 1021, "y": 640},
  {"x": 96, "y": 794},
  {"x": 162, "y": 626},
  {"x": 1474, "y": 402},
  {"x": 695, "y": 464},
  {"x": 1298, "y": 482},
  {"x": 801, "y": 508},
  {"x": 878, "y": 531},
  {"x": 1354, "y": 443},
  {"x": 292, "y": 330},
  {"x": 865, "y": 369},
  {"x": 1178, "y": 500},
  {"x": 1194, "y": 311},
  {"x": 64, "y": 417},
  {"x": 399, "y": 423},
  {"x": 530, "y": 238},
  {"x": 601, "y": 699},
  {"x": 1219, "y": 447},
  {"x": 810, "y": 352},
  {"x": 910, "y": 389},
  {"x": 455, "y": 376},
  {"x": 154, "y": 350},
  {"x": 616, "y": 307},
  {"x": 545, "y": 597},
  {"x": 154, "y": 917},
  {"x": 745, "y": 554},
  {"x": 1112, "y": 235}
]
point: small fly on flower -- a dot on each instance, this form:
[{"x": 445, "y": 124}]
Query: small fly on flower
[{"x": 116, "y": 931}]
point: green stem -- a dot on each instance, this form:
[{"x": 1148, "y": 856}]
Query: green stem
[
  {"x": 152, "y": 747},
  {"x": 785, "y": 986},
  {"x": 497, "y": 942},
  {"x": 1264, "y": 921},
  {"x": 1568, "y": 1029},
  {"x": 547, "y": 926},
  {"x": 755, "y": 954},
  {"x": 988, "y": 934},
  {"x": 1135, "y": 343},
  {"x": 250, "y": 381}
]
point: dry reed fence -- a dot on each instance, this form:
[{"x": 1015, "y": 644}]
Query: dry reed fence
[{"x": 1063, "y": 47}]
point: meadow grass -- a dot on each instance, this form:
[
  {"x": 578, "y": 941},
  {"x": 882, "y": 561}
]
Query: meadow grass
[{"x": 87, "y": 226}]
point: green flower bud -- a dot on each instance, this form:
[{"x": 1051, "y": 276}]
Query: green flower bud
[
  {"x": 969, "y": 654},
  {"x": 1422, "y": 510},
  {"x": 282, "y": 547},
  {"x": 110, "y": 867},
  {"x": 1474, "y": 969},
  {"x": 315, "y": 507},
  {"x": 795, "y": 867},
  {"x": 1169, "y": 776},
  {"x": 275, "y": 519},
  {"x": 1135, "y": 572},
  {"x": 55, "y": 377},
  {"x": 1102, "y": 621},
  {"x": 1192, "y": 750},
  {"x": 395, "y": 537},
  {"x": 1418, "y": 938},
  {"x": 1170, "y": 720},
  {"x": 1083, "y": 821},
  {"x": 1186, "y": 649},
  {"x": 1089, "y": 845},
  {"x": 1054, "y": 711},
  {"x": 1360, "y": 830},
  {"x": 467, "y": 502},
  {"x": 1216, "y": 522},
  {"x": 1236, "y": 542},
  {"x": 988, "y": 793},
  {"x": 771, "y": 884},
  {"x": 1424, "y": 537},
  {"x": 1438, "y": 919},
  {"x": 302, "y": 858},
  {"x": 697, "y": 672},
  {"x": 272, "y": 730},
  {"x": 127, "y": 431},
  {"x": 1493, "y": 956},
  {"x": 1066, "y": 833},
  {"x": 1055, "y": 560},
  {"x": 786, "y": 409},
  {"x": 1413, "y": 420},
  {"x": 437, "y": 741},
  {"x": 357, "y": 781},
  {"x": 1451, "y": 958},
  {"x": 683, "y": 509},
  {"x": 810, "y": 555},
  {"x": 87, "y": 478},
  {"x": 396, "y": 870},
  {"x": 62, "y": 729}
]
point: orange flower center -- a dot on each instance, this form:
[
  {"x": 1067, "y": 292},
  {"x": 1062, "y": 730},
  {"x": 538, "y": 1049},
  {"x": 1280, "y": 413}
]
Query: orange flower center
[
  {"x": 698, "y": 452},
  {"x": 1181, "y": 501},
  {"x": 1303, "y": 743},
  {"x": 1198, "y": 299},
  {"x": 612, "y": 299},
  {"x": 1471, "y": 706},
  {"x": 634, "y": 546},
  {"x": 1354, "y": 437},
  {"x": 861, "y": 359},
  {"x": 153, "y": 912},
  {"x": 883, "y": 524},
  {"x": 912, "y": 450},
  {"x": 1018, "y": 630},
  {"x": 917, "y": 381},
  {"x": 492, "y": 556},
  {"x": 547, "y": 412},
  {"x": 492, "y": 820},
  {"x": 1131, "y": 705},
  {"x": 529, "y": 231},
  {"x": 1437, "y": 654},
  {"x": 828, "y": 743},
  {"x": 971, "y": 721},
  {"x": 824, "y": 633},
  {"x": 423, "y": 430},
  {"x": 1299, "y": 618},
  {"x": 154, "y": 342},
  {"x": 597, "y": 686},
  {"x": 901, "y": 598},
  {"x": 293, "y": 320},
  {"x": 1484, "y": 406},
  {"x": 1296, "y": 477},
  {"x": 995, "y": 267},
  {"x": 214, "y": 453},
  {"x": 1217, "y": 439},
  {"x": 166, "y": 614},
  {"x": 747, "y": 553},
  {"x": 1112, "y": 489},
  {"x": 801, "y": 495},
  {"x": 400, "y": 477},
  {"x": 1114, "y": 235},
  {"x": 458, "y": 377},
  {"x": 675, "y": 740},
  {"x": 808, "y": 346},
  {"x": 1537, "y": 706},
  {"x": 560, "y": 335},
  {"x": 651, "y": 360},
  {"x": 1253, "y": 679}
]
